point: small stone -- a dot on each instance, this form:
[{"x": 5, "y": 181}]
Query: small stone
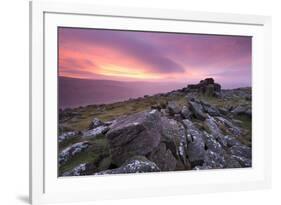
[
  {"x": 68, "y": 135},
  {"x": 95, "y": 123},
  {"x": 173, "y": 108},
  {"x": 185, "y": 113},
  {"x": 96, "y": 132},
  {"x": 197, "y": 110},
  {"x": 69, "y": 152}
]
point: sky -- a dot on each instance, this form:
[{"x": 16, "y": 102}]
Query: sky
[{"x": 154, "y": 56}]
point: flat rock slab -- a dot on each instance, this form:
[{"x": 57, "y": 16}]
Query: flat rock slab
[
  {"x": 137, "y": 164},
  {"x": 137, "y": 134}
]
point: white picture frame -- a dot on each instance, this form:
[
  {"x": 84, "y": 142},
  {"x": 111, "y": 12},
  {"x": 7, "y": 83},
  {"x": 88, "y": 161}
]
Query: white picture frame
[{"x": 46, "y": 187}]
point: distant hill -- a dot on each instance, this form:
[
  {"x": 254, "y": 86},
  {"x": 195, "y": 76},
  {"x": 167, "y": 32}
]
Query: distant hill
[{"x": 74, "y": 92}]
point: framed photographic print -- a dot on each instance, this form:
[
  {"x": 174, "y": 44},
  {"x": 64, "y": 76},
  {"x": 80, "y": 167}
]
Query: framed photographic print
[{"x": 129, "y": 102}]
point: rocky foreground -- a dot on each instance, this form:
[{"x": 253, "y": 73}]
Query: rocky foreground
[{"x": 194, "y": 128}]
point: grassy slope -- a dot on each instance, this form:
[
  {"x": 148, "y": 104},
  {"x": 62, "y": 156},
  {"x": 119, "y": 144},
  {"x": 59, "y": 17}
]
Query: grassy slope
[
  {"x": 98, "y": 154},
  {"x": 112, "y": 111}
]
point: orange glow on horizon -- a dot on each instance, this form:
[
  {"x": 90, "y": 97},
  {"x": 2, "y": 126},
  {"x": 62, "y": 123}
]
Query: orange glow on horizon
[
  {"x": 99, "y": 57},
  {"x": 119, "y": 71}
]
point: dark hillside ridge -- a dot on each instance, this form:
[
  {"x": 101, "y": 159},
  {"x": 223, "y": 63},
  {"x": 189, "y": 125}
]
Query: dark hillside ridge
[{"x": 74, "y": 92}]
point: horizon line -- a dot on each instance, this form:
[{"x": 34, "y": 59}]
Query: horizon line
[{"x": 156, "y": 82}]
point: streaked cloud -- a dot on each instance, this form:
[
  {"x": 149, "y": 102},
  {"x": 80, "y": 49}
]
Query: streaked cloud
[{"x": 126, "y": 55}]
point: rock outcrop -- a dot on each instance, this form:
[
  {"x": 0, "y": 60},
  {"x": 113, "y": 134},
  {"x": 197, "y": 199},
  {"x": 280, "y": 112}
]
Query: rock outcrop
[
  {"x": 187, "y": 134},
  {"x": 207, "y": 87}
]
